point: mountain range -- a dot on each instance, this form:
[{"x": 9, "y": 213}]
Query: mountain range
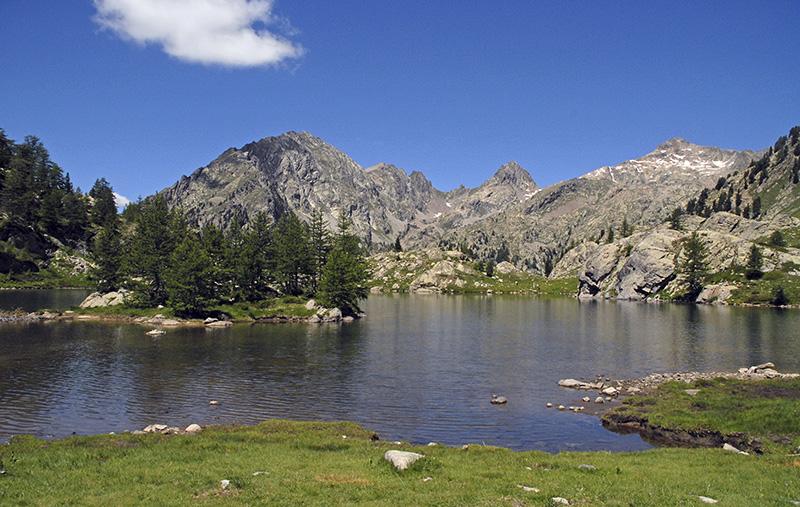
[{"x": 299, "y": 172}]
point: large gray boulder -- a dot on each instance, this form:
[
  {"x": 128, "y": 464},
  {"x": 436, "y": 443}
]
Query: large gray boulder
[{"x": 97, "y": 299}]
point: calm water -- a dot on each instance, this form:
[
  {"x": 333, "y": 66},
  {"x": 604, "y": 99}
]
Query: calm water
[
  {"x": 35, "y": 299},
  {"x": 418, "y": 368}
]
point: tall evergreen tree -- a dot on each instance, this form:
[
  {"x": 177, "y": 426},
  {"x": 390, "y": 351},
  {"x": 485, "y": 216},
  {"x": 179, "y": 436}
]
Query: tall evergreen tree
[
  {"x": 344, "y": 279},
  {"x": 150, "y": 250},
  {"x": 756, "y": 210},
  {"x": 292, "y": 254},
  {"x": 320, "y": 243},
  {"x": 675, "y": 219},
  {"x": 755, "y": 263},
  {"x": 104, "y": 207},
  {"x": 610, "y": 235},
  {"x": 626, "y": 228},
  {"x": 257, "y": 260},
  {"x": 107, "y": 255},
  {"x": 189, "y": 278},
  {"x": 397, "y": 246},
  {"x": 693, "y": 266},
  {"x": 214, "y": 244}
]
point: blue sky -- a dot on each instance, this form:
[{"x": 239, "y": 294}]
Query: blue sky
[{"x": 451, "y": 89}]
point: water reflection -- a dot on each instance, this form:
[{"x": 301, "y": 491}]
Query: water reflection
[{"x": 419, "y": 367}]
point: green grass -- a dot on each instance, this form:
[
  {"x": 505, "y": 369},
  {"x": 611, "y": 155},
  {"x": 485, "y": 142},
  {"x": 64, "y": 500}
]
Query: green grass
[
  {"x": 285, "y": 306},
  {"x": 768, "y": 410},
  {"x": 125, "y": 311},
  {"x": 311, "y": 464},
  {"x": 281, "y": 307},
  {"x": 760, "y": 291}
]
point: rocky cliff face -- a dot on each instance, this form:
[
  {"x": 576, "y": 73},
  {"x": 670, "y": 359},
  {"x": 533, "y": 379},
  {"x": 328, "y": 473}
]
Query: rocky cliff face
[{"x": 645, "y": 265}]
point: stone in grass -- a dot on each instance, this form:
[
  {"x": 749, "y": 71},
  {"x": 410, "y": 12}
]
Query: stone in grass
[
  {"x": 559, "y": 501},
  {"x": 402, "y": 459},
  {"x": 587, "y": 468},
  {"x": 706, "y": 499},
  {"x": 193, "y": 428},
  {"x": 224, "y": 484},
  {"x": 730, "y": 448},
  {"x": 528, "y": 489}
]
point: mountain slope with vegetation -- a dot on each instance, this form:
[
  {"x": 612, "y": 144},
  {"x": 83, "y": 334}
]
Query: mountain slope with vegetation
[
  {"x": 744, "y": 230},
  {"x": 46, "y": 224}
]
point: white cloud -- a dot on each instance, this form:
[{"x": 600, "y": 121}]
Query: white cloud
[
  {"x": 220, "y": 32},
  {"x": 120, "y": 200}
]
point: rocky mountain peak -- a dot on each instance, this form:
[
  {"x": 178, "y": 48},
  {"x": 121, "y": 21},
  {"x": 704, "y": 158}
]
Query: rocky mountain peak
[
  {"x": 675, "y": 143},
  {"x": 513, "y": 173}
]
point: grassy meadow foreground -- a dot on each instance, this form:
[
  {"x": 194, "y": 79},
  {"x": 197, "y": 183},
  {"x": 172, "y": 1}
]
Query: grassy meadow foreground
[
  {"x": 315, "y": 463},
  {"x": 293, "y": 463}
]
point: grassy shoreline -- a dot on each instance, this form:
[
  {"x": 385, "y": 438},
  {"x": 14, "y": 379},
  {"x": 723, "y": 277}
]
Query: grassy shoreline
[
  {"x": 308, "y": 463},
  {"x": 338, "y": 463}
]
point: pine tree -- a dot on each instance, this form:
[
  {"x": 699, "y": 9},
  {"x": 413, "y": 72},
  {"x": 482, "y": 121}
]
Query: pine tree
[
  {"x": 292, "y": 254},
  {"x": 320, "y": 243},
  {"x": 755, "y": 261},
  {"x": 503, "y": 254},
  {"x": 215, "y": 245},
  {"x": 344, "y": 279},
  {"x": 257, "y": 260},
  {"x": 610, "y": 235},
  {"x": 693, "y": 266},
  {"x": 756, "y": 210},
  {"x": 675, "y": 219},
  {"x": 627, "y": 230},
  {"x": 107, "y": 256},
  {"x": 776, "y": 239},
  {"x": 779, "y": 297},
  {"x": 691, "y": 206},
  {"x": 149, "y": 251},
  {"x": 189, "y": 278},
  {"x": 104, "y": 207},
  {"x": 397, "y": 246},
  {"x": 490, "y": 268}
]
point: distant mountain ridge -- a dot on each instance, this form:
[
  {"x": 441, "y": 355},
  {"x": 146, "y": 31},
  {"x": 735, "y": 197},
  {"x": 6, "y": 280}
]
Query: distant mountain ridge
[{"x": 299, "y": 172}]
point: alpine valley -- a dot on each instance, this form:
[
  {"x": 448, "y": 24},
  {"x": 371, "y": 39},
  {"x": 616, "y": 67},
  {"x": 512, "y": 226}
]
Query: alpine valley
[{"x": 608, "y": 233}]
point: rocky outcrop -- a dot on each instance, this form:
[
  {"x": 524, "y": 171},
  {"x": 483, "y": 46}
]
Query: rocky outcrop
[
  {"x": 716, "y": 294},
  {"x": 443, "y": 274},
  {"x": 97, "y": 299},
  {"x": 645, "y": 265}
]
